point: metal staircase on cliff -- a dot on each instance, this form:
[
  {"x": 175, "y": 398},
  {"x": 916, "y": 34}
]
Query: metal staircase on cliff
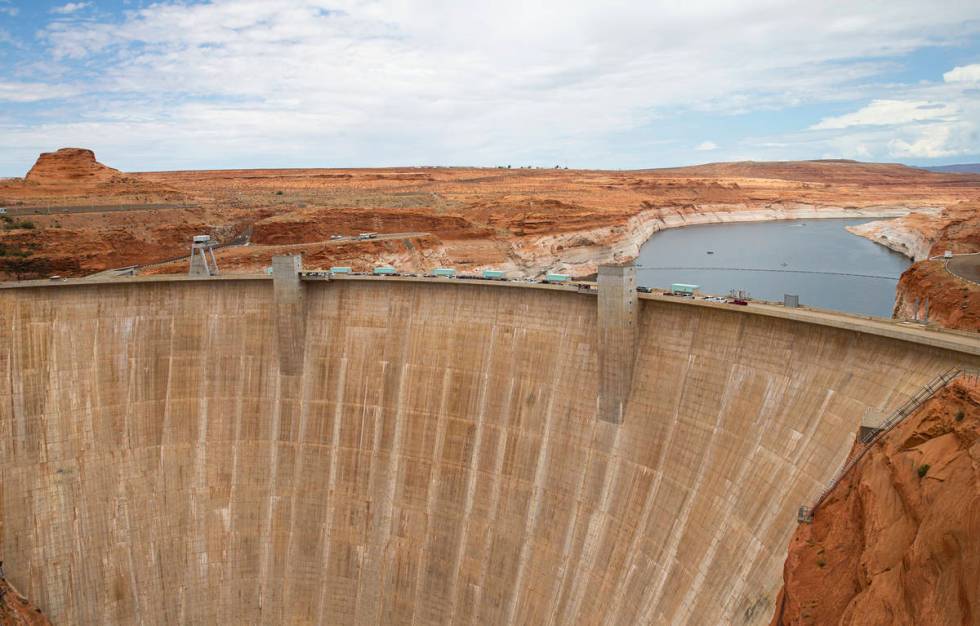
[{"x": 805, "y": 513}]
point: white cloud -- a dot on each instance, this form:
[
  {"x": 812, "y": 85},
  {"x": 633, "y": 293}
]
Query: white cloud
[
  {"x": 890, "y": 113},
  {"x": 393, "y": 81},
  {"x": 930, "y": 142},
  {"x": 706, "y": 145},
  {"x": 11, "y": 11},
  {"x": 71, "y": 7},
  {"x": 32, "y": 92},
  {"x": 948, "y": 126},
  {"x": 963, "y": 74}
]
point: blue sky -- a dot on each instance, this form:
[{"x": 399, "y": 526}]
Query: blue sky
[{"x": 613, "y": 84}]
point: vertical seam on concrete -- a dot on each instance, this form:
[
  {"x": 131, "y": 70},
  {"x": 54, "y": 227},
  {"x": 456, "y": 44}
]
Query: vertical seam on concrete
[
  {"x": 383, "y": 526},
  {"x": 471, "y": 477},
  {"x": 199, "y": 479},
  {"x": 598, "y": 522},
  {"x": 331, "y": 483},
  {"x": 648, "y": 504},
  {"x": 736, "y": 590},
  {"x": 533, "y": 510},
  {"x": 301, "y": 449},
  {"x": 659, "y": 469},
  {"x": 393, "y": 472},
  {"x": 120, "y": 491},
  {"x": 165, "y": 427},
  {"x": 773, "y": 512},
  {"x": 265, "y": 541},
  {"x": 570, "y": 534},
  {"x": 495, "y": 494},
  {"x": 680, "y": 525},
  {"x": 728, "y": 502},
  {"x": 236, "y": 445},
  {"x": 434, "y": 482}
]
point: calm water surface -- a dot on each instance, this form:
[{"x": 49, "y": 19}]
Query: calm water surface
[{"x": 788, "y": 246}]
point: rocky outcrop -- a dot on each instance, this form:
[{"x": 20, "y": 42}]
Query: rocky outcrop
[
  {"x": 953, "y": 302},
  {"x": 16, "y": 610},
  {"x": 70, "y": 166},
  {"x": 927, "y": 233},
  {"x": 911, "y": 236},
  {"x": 928, "y": 291},
  {"x": 898, "y": 539}
]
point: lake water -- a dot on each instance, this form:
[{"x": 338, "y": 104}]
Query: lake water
[{"x": 788, "y": 246}]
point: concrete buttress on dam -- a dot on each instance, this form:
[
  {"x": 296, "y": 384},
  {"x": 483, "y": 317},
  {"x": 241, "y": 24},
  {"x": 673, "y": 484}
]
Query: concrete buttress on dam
[{"x": 286, "y": 451}]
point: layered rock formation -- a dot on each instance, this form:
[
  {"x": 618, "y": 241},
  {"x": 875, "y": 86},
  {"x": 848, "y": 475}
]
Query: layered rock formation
[
  {"x": 927, "y": 291},
  {"x": 71, "y": 166},
  {"x": 898, "y": 539},
  {"x": 525, "y": 221},
  {"x": 953, "y": 301}
]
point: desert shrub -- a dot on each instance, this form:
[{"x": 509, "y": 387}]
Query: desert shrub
[
  {"x": 960, "y": 415},
  {"x": 821, "y": 562},
  {"x": 279, "y": 193},
  {"x": 923, "y": 470}
]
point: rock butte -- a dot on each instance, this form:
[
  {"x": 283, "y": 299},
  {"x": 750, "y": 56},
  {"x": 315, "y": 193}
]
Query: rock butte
[{"x": 397, "y": 451}]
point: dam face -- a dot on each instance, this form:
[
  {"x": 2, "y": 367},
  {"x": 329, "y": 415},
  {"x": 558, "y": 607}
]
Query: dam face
[{"x": 427, "y": 453}]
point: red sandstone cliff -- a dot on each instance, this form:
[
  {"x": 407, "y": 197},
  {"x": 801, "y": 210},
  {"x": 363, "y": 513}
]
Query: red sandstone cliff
[
  {"x": 898, "y": 540},
  {"x": 929, "y": 287},
  {"x": 16, "y": 610}
]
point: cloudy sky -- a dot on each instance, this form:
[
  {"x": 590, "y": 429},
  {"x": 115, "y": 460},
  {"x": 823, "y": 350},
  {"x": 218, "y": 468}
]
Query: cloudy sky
[{"x": 611, "y": 84}]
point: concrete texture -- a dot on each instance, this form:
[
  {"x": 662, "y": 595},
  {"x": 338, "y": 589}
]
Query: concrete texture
[
  {"x": 435, "y": 458},
  {"x": 616, "y": 341}
]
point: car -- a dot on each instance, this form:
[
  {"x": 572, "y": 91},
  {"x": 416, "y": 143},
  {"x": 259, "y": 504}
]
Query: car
[{"x": 643, "y": 289}]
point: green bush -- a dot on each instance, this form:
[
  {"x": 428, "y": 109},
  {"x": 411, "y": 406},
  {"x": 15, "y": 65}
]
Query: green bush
[{"x": 923, "y": 470}]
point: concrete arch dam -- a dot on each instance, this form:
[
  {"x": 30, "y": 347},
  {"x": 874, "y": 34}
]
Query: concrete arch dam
[{"x": 405, "y": 452}]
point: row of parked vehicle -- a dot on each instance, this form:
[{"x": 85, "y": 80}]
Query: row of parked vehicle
[
  {"x": 448, "y": 272},
  {"x": 439, "y": 272}
]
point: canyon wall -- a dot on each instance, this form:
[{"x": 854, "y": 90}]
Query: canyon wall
[
  {"x": 896, "y": 540},
  {"x": 427, "y": 453}
]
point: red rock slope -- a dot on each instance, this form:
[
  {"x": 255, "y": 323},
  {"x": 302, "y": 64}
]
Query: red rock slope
[
  {"x": 898, "y": 540},
  {"x": 16, "y": 610}
]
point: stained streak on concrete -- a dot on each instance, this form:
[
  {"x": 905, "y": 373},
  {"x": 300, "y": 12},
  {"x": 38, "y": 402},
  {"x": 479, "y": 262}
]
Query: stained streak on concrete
[{"x": 432, "y": 455}]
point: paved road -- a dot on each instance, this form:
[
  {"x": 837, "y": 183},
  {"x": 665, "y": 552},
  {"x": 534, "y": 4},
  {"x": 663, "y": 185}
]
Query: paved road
[
  {"x": 55, "y": 210},
  {"x": 966, "y": 266}
]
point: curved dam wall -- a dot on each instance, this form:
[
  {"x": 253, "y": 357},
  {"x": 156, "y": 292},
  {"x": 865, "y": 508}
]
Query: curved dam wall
[{"x": 413, "y": 453}]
